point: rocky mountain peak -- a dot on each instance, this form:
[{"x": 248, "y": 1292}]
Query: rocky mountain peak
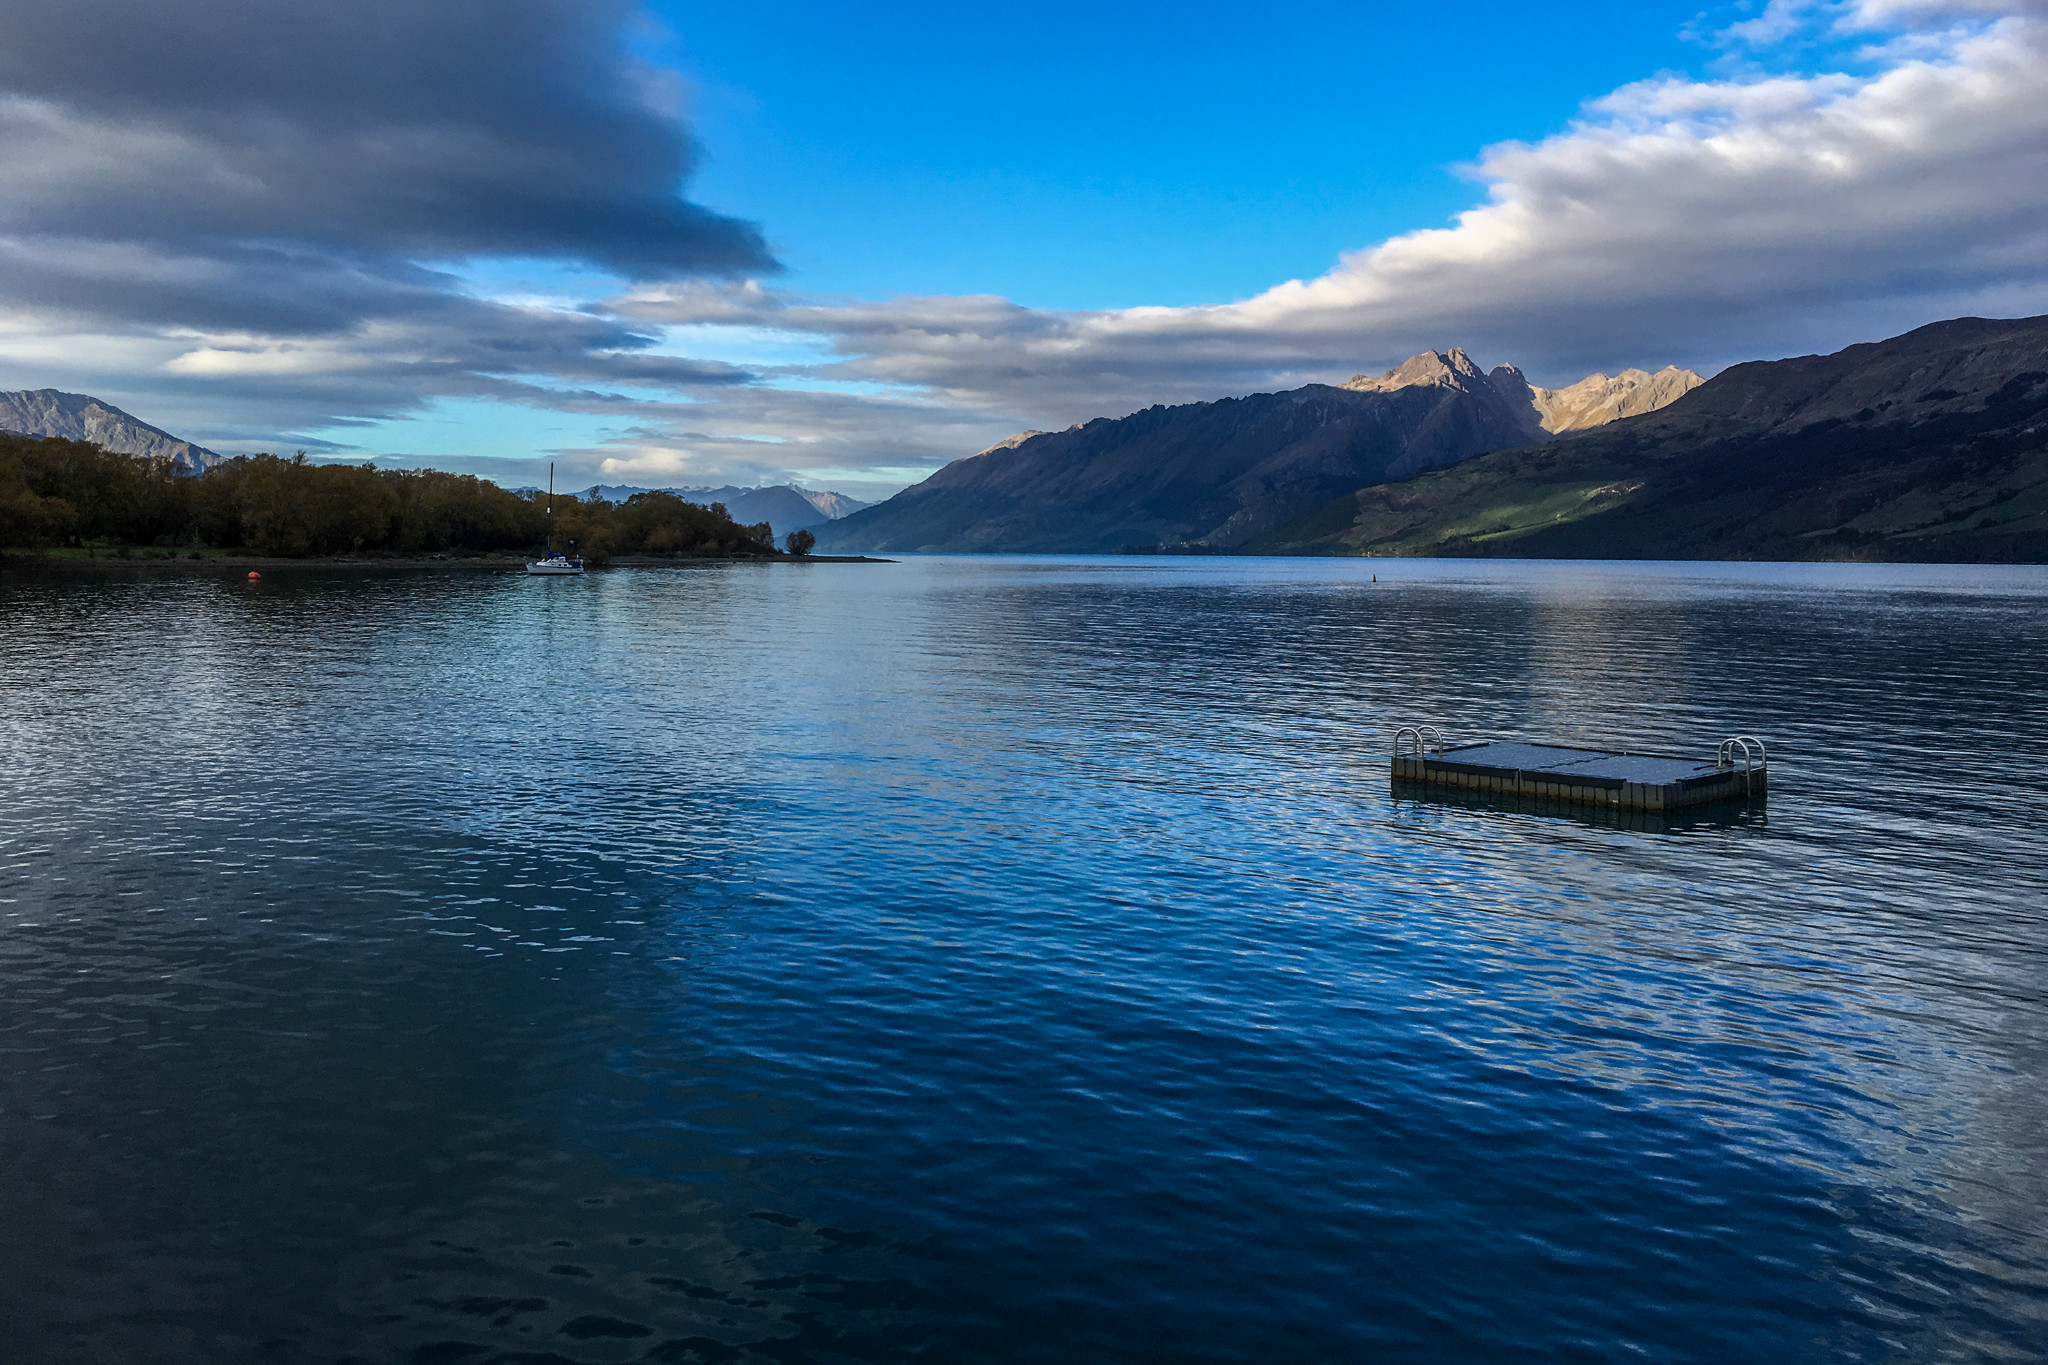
[
  {"x": 1594, "y": 401},
  {"x": 1444, "y": 369},
  {"x": 1011, "y": 442},
  {"x": 1599, "y": 399}
]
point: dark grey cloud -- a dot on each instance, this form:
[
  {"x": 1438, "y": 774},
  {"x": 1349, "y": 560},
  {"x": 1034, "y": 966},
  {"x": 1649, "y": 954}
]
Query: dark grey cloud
[
  {"x": 418, "y": 129},
  {"x": 251, "y": 215},
  {"x": 278, "y": 287}
]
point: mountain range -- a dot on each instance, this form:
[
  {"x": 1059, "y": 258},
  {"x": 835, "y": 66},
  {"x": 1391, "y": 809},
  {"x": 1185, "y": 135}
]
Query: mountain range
[
  {"x": 81, "y": 417},
  {"x": 1932, "y": 445},
  {"x": 1219, "y": 475},
  {"x": 785, "y": 506}
]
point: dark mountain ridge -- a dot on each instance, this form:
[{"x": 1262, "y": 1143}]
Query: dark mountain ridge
[
  {"x": 1932, "y": 445},
  {"x": 1942, "y": 368},
  {"x": 1211, "y": 475}
]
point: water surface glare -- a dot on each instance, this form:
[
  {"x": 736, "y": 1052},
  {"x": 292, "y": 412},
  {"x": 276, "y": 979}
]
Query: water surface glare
[{"x": 1016, "y": 960}]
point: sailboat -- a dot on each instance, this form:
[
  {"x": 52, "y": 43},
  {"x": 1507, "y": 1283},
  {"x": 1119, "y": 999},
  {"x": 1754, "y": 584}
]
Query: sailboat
[{"x": 554, "y": 562}]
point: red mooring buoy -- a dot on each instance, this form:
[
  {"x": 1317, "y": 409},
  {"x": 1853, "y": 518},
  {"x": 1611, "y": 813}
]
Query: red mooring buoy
[{"x": 254, "y": 575}]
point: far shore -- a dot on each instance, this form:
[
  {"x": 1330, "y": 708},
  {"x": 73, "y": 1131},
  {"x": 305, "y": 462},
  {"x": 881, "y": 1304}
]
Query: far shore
[{"x": 160, "y": 560}]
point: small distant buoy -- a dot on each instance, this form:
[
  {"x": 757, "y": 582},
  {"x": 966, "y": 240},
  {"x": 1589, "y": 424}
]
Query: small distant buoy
[
  {"x": 1375, "y": 578},
  {"x": 253, "y": 575}
]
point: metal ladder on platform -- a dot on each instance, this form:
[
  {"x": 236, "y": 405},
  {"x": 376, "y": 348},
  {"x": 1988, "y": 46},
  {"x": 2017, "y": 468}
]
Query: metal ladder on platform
[
  {"x": 1422, "y": 738},
  {"x": 1751, "y": 749}
]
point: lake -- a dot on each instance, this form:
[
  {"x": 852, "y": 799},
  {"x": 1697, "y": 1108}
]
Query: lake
[{"x": 1017, "y": 960}]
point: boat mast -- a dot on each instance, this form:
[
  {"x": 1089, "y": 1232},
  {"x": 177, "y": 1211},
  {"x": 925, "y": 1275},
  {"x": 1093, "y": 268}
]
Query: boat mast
[{"x": 548, "y": 548}]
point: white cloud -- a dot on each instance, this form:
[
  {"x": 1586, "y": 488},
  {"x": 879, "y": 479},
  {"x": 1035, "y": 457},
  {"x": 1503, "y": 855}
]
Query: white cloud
[{"x": 1887, "y": 14}]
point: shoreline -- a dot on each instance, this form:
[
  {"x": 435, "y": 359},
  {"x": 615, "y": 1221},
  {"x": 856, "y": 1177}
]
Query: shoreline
[{"x": 159, "y": 563}]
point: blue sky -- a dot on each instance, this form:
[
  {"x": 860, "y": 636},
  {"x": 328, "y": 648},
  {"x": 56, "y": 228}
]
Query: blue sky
[
  {"x": 1114, "y": 155},
  {"x": 662, "y": 241}
]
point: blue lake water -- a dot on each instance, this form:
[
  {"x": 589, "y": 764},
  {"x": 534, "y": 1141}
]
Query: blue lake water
[{"x": 1016, "y": 960}]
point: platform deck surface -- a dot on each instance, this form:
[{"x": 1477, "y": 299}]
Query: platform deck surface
[{"x": 1650, "y": 769}]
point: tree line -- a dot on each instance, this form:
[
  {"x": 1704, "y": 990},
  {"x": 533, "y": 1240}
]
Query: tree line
[{"x": 66, "y": 493}]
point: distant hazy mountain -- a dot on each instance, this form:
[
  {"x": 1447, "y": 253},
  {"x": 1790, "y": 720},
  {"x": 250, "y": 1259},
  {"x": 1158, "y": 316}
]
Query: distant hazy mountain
[
  {"x": 786, "y": 507},
  {"x": 1216, "y": 475},
  {"x": 1930, "y": 446},
  {"x": 81, "y": 417},
  {"x": 833, "y": 505}
]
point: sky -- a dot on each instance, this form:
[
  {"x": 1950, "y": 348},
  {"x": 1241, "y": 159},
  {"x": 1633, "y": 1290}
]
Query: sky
[{"x": 682, "y": 243}]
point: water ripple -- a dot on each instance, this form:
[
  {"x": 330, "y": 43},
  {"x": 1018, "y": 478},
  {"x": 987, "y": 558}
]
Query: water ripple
[{"x": 1017, "y": 960}]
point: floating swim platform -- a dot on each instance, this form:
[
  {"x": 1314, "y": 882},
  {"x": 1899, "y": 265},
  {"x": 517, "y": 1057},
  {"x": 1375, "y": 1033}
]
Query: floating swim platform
[{"x": 1614, "y": 778}]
